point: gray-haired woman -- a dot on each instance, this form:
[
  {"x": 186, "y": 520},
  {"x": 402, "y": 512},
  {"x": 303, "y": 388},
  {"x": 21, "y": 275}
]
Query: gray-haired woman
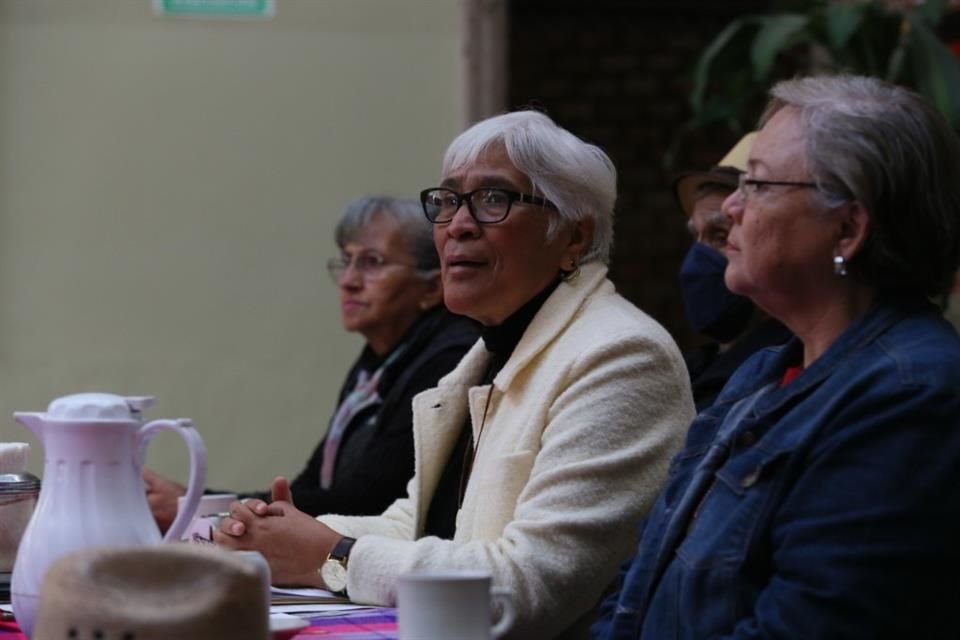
[
  {"x": 388, "y": 277},
  {"x": 539, "y": 453},
  {"x": 817, "y": 497}
]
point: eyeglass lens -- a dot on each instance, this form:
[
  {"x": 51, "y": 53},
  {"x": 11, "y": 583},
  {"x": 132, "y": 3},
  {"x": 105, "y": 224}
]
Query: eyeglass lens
[
  {"x": 486, "y": 205},
  {"x": 366, "y": 264}
]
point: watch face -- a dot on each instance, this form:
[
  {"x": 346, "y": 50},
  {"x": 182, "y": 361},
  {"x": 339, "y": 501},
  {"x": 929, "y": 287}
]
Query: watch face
[{"x": 334, "y": 575}]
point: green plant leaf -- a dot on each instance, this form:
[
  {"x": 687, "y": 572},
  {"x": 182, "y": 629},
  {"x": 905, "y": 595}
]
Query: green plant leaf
[
  {"x": 701, "y": 72},
  {"x": 931, "y": 11},
  {"x": 872, "y": 50},
  {"x": 843, "y": 19},
  {"x": 936, "y": 70},
  {"x": 860, "y": 36},
  {"x": 717, "y": 109},
  {"x": 895, "y": 64},
  {"x": 777, "y": 32},
  {"x": 734, "y": 111},
  {"x": 904, "y": 42}
]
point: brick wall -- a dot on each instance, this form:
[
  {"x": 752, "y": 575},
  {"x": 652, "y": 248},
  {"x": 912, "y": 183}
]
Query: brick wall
[{"x": 615, "y": 72}]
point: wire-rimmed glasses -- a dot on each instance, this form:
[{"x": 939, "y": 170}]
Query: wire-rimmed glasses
[
  {"x": 370, "y": 265},
  {"x": 750, "y": 186}
]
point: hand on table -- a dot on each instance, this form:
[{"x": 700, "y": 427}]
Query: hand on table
[
  {"x": 294, "y": 543},
  {"x": 162, "y": 494}
]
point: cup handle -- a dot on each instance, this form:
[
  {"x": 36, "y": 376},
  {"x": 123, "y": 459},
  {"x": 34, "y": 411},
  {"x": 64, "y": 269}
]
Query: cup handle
[
  {"x": 198, "y": 468},
  {"x": 507, "y": 611}
]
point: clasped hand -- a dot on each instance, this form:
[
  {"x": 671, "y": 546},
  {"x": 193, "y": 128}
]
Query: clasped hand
[{"x": 294, "y": 543}]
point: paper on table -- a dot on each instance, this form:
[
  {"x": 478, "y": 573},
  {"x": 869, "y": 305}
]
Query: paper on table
[
  {"x": 316, "y": 609},
  {"x": 305, "y": 592},
  {"x": 283, "y": 595}
]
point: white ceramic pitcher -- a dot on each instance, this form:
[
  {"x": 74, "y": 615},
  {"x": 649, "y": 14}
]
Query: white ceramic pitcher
[{"x": 92, "y": 491}]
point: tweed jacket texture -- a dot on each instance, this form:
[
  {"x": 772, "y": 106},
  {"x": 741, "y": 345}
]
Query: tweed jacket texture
[{"x": 581, "y": 424}]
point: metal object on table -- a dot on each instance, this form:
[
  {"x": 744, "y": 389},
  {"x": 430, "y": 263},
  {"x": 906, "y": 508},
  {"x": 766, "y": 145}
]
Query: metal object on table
[
  {"x": 17, "y": 487},
  {"x": 18, "y": 497}
]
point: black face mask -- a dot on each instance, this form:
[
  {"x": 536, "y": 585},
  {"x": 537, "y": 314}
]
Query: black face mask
[{"x": 711, "y": 308}]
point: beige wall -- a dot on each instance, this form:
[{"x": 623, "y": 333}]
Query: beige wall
[{"x": 168, "y": 190}]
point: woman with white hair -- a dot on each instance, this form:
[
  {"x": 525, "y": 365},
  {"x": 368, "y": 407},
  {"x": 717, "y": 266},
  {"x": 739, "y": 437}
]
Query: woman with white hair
[{"x": 538, "y": 455}]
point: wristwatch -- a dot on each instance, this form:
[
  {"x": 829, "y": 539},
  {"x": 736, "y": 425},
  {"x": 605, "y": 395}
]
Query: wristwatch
[{"x": 334, "y": 569}]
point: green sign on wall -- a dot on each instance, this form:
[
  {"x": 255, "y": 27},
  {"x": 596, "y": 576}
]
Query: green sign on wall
[{"x": 216, "y": 8}]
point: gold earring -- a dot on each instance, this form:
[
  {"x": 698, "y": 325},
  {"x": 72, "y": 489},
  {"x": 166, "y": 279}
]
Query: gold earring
[{"x": 570, "y": 274}]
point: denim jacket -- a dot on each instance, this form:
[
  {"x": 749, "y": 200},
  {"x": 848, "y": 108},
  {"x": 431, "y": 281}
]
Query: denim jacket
[{"x": 826, "y": 508}]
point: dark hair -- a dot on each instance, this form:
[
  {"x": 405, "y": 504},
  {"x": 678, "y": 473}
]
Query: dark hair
[{"x": 889, "y": 149}]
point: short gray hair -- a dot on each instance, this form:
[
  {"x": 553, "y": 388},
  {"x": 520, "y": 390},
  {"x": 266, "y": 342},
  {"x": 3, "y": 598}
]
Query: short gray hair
[
  {"x": 889, "y": 149},
  {"x": 407, "y": 213},
  {"x": 578, "y": 177}
]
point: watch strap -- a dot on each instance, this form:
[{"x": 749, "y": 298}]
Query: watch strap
[
  {"x": 333, "y": 571},
  {"x": 341, "y": 550}
]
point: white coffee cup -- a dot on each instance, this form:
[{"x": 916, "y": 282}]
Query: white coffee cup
[
  {"x": 210, "y": 511},
  {"x": 451, "y": 604}
]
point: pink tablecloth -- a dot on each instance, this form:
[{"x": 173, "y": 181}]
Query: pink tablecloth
[
  {"x": 365, "y": 624},
  {"x": 370, "y": 624},
  {"x": 10, "y": 631}
]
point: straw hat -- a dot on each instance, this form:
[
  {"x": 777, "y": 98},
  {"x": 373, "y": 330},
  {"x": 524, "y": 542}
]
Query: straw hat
[
  {"x": 158, "y": 592},
  {"x": 725, "y": 173}
]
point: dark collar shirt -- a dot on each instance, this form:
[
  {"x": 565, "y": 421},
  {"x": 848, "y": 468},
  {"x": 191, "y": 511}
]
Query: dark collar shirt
[
  {"x": 710, "y": 368},
  {"x": 500, "y": 341},
  {"x": 375, "y": 457}
]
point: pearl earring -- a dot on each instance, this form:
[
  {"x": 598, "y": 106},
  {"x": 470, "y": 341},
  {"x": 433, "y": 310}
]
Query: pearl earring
[{"x": 839, "y": 266}]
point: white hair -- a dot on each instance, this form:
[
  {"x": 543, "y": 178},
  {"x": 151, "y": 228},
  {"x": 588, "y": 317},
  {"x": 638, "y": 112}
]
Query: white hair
[{"x": 578, "y": 177}]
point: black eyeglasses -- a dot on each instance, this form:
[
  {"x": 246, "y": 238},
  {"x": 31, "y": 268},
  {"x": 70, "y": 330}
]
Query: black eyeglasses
[
  {"x": 750, "y": 186},
  {"x": 487, "y": 205}
]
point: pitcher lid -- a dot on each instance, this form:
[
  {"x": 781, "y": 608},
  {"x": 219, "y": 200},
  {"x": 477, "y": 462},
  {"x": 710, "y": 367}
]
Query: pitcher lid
[{"x": 98, "y": 406}]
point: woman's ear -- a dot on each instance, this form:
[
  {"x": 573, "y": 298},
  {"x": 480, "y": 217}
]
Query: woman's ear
[
  {"x": 853, "y": 230},
  {"x": 433, "y": 291},
  {"x": 581, "y": 237}
]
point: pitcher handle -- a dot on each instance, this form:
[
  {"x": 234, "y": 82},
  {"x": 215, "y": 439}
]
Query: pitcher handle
[
  {"x": 198, "y": 468},
  {"x": 507, "y": 611}
]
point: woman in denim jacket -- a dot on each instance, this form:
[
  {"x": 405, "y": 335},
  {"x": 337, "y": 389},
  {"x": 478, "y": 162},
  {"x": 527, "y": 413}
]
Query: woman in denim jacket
[{"x": 820, "y": 496}]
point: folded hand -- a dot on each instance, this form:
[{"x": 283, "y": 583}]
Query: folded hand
[
  {"x": 294, "y": 543},
  {"x": 162, "y": 494}
]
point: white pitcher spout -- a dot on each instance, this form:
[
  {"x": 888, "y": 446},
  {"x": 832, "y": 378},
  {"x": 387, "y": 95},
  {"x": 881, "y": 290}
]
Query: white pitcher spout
[{"x": 32, "y": 421}]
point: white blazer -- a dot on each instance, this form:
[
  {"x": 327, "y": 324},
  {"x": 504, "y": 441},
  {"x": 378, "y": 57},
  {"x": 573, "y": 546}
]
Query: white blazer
[{"x": 583, "y": 420}]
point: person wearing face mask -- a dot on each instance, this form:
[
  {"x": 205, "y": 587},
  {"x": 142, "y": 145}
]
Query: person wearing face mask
[{"x": 735, "y": 327}]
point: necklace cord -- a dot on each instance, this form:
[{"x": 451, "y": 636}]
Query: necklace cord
[{"x": 470, "y": 453}]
